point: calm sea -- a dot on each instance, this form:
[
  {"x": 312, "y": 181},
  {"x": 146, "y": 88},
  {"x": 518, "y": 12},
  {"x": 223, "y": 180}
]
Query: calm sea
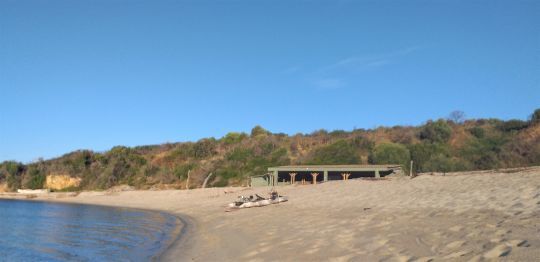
[{"x": 41, "y": 231}]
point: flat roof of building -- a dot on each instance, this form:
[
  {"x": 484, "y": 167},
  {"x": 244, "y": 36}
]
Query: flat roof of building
[{"x": 334, "y": 167}]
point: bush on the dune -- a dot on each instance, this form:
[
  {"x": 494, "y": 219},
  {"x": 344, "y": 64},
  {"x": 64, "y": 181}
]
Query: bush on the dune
[{"x": 390, "y": 153}]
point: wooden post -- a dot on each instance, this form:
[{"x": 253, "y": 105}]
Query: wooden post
[
  {"x": 314, "y": 176},
  {"x": 410, "y": 171},
  {"x": 343, "y": 175},
  {"x": 293, "y": 178}
]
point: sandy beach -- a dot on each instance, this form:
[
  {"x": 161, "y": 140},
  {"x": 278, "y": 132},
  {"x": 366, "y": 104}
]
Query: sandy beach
[{"x": 471, "y": 216}]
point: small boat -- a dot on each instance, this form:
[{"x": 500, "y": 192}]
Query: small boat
[{"x": 256, "y": 201}]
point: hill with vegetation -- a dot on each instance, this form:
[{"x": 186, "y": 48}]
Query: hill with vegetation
[{"x": 442, "y": 145}]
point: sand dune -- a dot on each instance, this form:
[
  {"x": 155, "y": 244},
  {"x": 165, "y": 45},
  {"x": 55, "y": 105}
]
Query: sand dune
[{"x": 457, "y": 217}]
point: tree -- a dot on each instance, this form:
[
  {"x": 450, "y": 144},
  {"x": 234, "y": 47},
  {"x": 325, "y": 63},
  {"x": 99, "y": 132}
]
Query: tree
[{"x": 457, "y": 116}]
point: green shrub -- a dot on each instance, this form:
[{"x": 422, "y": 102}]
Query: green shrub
[
  {"x": 483, "y": 153},
  {"x": 35, "y": 178},
  {"x": 512, "y": 125},
  {"x": 223, "y": 175},
  {"x": 233, "y": 138},
  {"x": 150, "y": 170},
  {"x": 181, "y": 171},
  {"x": 259, "y": 131},
  {"x": 180, "y": 153},
  {"x": 14, "y": 182},
  {"x": 338, "y": 133},
  {"x": 443, "y": 163},
  {"x": 478, "y": 132},
  {"x": 320, "y": 132},
  {"x": 390, "y": 153},
  {"x": 423, "y": 154},
  {"x": 68, "y": 189},
  {"x": 204, "y": 148},
  {"x": 13, "y": 168},
  {"x": 340, "y": 152},
  {"x": 436, "y": 132},
  {"x": 239, "y": 154},
  {"x": 220, "y": 183},
  {"x": 363, "y": 143},
  {"x": 279, "y": 157}
]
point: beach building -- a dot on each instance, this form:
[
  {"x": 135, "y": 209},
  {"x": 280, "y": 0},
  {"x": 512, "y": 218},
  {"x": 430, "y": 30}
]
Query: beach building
[{"x": 313, "y": 174}]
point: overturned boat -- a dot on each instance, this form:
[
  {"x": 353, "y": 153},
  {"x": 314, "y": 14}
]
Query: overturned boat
[{"x": 256, "y": 201}]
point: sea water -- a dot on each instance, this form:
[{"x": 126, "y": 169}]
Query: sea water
[{"x": 43, "y": 231}]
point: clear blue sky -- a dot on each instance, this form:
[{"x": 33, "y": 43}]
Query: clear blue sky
[{"x": 100, "y": 73}]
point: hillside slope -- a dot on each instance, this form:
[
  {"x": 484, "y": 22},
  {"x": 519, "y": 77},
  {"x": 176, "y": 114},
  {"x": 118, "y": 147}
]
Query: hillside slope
[{"x": 436, "y": 146}]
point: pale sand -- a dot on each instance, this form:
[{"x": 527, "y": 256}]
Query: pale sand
[{"x": 487, "y": 216}]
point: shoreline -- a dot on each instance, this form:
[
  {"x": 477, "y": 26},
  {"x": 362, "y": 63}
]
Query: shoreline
[
  {"x": 453, "y": 217},
  {"x": 178, "y": 249},
  {"x": 177, "y": 237}
]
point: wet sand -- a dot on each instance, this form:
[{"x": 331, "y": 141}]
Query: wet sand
[{"x": 459, "y": 217}]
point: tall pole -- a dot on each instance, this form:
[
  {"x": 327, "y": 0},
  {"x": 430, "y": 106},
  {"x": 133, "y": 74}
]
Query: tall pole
[{"x": 410, "y": 171}]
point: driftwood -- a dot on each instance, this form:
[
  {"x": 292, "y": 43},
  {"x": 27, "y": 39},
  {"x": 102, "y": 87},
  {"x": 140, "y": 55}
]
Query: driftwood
[{"x": 206, "y": 180}]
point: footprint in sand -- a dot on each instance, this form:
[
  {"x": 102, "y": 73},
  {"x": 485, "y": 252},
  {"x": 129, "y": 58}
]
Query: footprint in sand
[
  {"x": 502, "y": 232},
  {"x": 496, "y": 240},
  {"x": 518, "y": 243},
  {"x": 477, "y": 258},
  {"x": 455, "y": 244},
  {"x": 343, "y": 258},
  {"x": 251, "y": 254},
  {"x": 456, "y": 228},
  {"x": 425, "y": 259},
  {"x": 403, "y": 258},
  {"x": 311, "y": 251},
  {"x": 498, "y": 251},
  {"x": 457, "y": 254}
]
